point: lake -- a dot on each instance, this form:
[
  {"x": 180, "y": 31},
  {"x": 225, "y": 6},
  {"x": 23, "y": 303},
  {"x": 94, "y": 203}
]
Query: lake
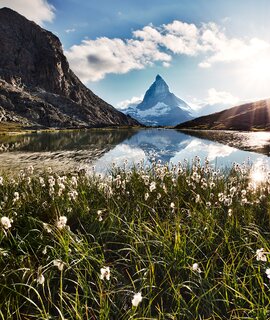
[{"x": 73, "y": 150}]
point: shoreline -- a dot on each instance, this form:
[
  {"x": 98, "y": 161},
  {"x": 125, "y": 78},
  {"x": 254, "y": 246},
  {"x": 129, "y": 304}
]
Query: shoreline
[{"x": 17, "y": 130}]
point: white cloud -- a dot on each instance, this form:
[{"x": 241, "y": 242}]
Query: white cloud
[
  {"x": 39, "y": 11},
  {"x": 205, "y": 149},
  {"x": 215, "y": 97},
  {"x": 166, "y": 64},
  {"x": 126, "y": 103},
  {"x": 216, "y": 151},
  {"x": 121, "y": 153},
  {"x": 93, "y": 59},
  {"x": 230, "y": 50},
  {"x": 70, "y": 30},
  {"x": 204, "y": 65},
  {"x": 214, "y": 101}
]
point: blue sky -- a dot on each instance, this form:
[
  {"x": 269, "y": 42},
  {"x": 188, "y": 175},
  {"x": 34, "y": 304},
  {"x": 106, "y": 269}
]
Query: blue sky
[{"x": 208, "y": 51}]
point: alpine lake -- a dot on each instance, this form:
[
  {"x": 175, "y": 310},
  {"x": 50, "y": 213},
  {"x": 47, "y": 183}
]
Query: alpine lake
[{"x": 101, "y": 148}]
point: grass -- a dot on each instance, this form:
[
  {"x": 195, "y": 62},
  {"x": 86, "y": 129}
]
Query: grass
[
  {"x": 7, "y": 127},
  {"x": 185, "y": 237}
]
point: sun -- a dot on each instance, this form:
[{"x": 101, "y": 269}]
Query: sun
[
  {"x": 258, "y": 173},
  {"x": 257, "y": 176},
  {"x": 258, "y": 70}
]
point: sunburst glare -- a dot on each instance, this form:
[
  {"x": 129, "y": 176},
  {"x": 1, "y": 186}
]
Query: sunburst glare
[
  {"x": 258, "y": 173},
  {"x": 257, "y": 71}
]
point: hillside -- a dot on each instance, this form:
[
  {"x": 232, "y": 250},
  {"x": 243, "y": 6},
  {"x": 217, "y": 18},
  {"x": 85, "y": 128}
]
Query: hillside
[
  {"x": 37, "y": 87},
  {"x": 249, "y": 116}
]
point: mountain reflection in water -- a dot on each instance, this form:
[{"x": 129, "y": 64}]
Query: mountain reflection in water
[{"x": 73, "y": 150}]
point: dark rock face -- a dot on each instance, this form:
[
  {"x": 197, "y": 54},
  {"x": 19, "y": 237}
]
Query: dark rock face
[
  {"x": 160, "y": 107},
  {"x": 250, "y": 116},
  {"x": 37, "y": 85}
]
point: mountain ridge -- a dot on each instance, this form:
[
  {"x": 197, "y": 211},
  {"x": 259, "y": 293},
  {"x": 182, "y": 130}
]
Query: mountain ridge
[
  {"x": 37, "y": 86},
  {"x": 246, "y": 117}
]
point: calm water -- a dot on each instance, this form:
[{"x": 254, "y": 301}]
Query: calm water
[{"x": 74, "y": 150}]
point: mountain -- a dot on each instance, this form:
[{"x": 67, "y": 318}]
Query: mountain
[
  {"x": 249, "y": 116},
  {"x": 37, "y": 87},
  {"x": 160, "y": 107}
]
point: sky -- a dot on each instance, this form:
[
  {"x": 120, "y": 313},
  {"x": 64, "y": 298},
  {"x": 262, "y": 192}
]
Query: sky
[{"x": 208, "y": 51}]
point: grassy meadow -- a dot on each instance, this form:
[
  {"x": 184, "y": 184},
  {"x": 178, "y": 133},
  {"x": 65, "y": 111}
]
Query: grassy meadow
[{"x": 160, "y": 242}]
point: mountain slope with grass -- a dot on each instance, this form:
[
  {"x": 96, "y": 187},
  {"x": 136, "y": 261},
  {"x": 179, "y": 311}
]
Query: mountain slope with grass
[
  {"x": 249, "y": 116},
  {"x": 37, "y": 87}
]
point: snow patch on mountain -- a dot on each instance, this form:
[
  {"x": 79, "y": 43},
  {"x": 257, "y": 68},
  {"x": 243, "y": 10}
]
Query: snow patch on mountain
[{"x": 157, "y": 110}]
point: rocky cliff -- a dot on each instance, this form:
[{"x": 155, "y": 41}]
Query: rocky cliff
[{"x": 37, "y": 87}]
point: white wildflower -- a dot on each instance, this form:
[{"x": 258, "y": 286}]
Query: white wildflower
[
  {"x": 195, "y": 267},
  {"x": 105, "y": 273},
  {"x": 61, "y": 223},
  {"x": 99, "y": 213},
  {"x": 47, "y": 228},
  {"x": 51, "y": 191},
  {"x": 204, "y": 186},
  {"x": 137, "y": 298},
  {"x": 51, "y": 181},
  {"x": 59, "y": 264},
  {"x": 243, "y": 193},
  {"x": 1, "y": 181},
  {"x": 16, "y": 197},
  {"x": 40, "y": 279},
  {"x": 30, "y": 169},
  {"x": 198, "y": 198},
  {"x": 172, "y": 205},
  {"x": 230, "y": 212},
  {"x": 74, "y": 182},
  {"x": 267, "y": 271},
  {"x": 260, "y": 255},
  {"x": 6, "y": 222},
  {"x": 220, "y": 197},
  {"x": 212, "y": 185},
  {"x": 152, "y": 186},
  {"x": 232, "y": 190},
  {"x": 3, "y": 252},
  {"x": 146, "y": 196},
  {"x": 227, "y": 201},
  {"x": 72, "y": 195},
  {"x": 61, "y": 188},
  {"x": 41, "y": 181},
  {"x": 145, "y": 180}
]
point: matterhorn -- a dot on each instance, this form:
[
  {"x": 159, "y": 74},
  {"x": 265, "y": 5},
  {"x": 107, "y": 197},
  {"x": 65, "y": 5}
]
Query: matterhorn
[{"x": 160, "y": 107}]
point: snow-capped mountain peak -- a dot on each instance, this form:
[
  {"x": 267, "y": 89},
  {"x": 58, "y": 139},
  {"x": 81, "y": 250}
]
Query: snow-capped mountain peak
[{"x": 160, "y": 107}]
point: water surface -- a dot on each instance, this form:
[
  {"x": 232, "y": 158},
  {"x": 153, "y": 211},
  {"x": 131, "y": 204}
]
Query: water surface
[{"x": 73, "y": 150}]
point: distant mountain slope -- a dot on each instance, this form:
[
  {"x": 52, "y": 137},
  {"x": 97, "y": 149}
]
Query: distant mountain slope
[
  {"x": 249, "y": 116},
  {"x": 37, "y": 86},
  {"x": 160, "y": 107}
]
